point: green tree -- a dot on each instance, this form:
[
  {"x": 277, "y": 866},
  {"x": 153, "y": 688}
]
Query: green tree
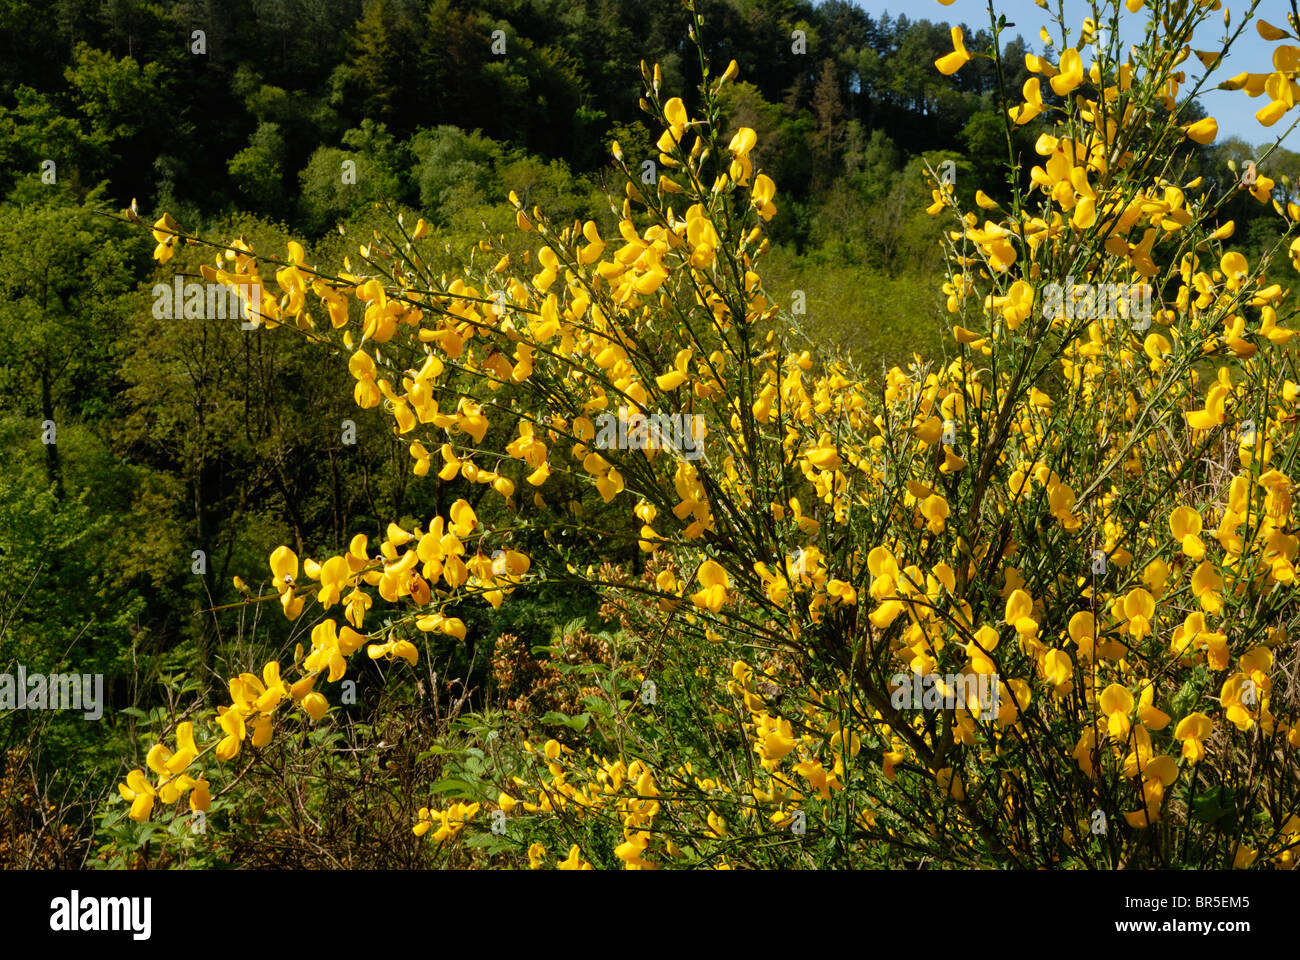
[
  {"x": 66, "y": 286},
  {"x": 258, "y": 169}
]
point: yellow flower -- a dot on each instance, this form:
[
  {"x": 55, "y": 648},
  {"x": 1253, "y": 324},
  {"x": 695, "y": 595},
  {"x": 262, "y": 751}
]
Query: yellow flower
[
  {"x": 291, "y": 604},
  {"x": 762, "y": 195},
  {"x": 232, "y": 722},
  {"x": 935, "y": 510},
  {"x": 355, "y": 605},
  {"x": 138, "y": 791},
  {"x": 1033, "y": 104},
  {"x": 399, "y": 649},
  {"x": 743, "y": 141},
  {"x": 1203, "y": 131},
  {"x": 1058, "y": 671},
  {"x": 166, "y": 241},
  {"x": 1193, "y": 730},
  {"x": 1070, "y": 75},
  {"x": 316, "y": 705},
  {"x": 842, "y": 591},
  {"x": 890, "y": 760},
  {"x": 775, "y": 739},
  {"x": 824, "y": 456},
  {"x": 1083, "y": 751},
  {"x": 1159, "y": 774},
  {"x": 1236, "y": 269},
  {"x": 1083, "y": 631},
  {"x": 714, "y": 583},
  {"x": 1140, "y": 609},
  {"x": 1270, "y": 32},
  {"x": 334, "y": 575},
  {"x": 1239, "y": 697},
  {"x": 1263, "y": 188},
  {"x": 186, "y": 751},
  {"x": 675, "y": 112},
  {"x": 284, "y": 568},
  {"x": 536, "y": 856},
  {"x": 262, "y": 731},
  {"x": 630, "y": 851},
  {"x": 985, "y": 642},
  {"x": 815, "y": 774},
  {"x": 1117, "y": 704},
  {"x": 463, "y": 520},
  {"x": 950, "y": 783},
  {"x": 1207, "y": 587},
  {"x": 952, "y": 62},
  {"x": 1185, "y": 524},
  {"x": 574, "y": 861},
  {"x": 1019, "y": 614}
]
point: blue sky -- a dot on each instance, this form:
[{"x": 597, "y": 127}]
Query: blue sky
[{"x": 1234, "y": 110}]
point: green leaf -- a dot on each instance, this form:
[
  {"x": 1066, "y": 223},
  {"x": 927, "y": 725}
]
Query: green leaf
[
  {"x": 489, "y": 843},
  {"x": 1215, "y": 805},
  {"x": 1181, "y": 702},
  {"x": 144, "y": 831},
  {"x": 573, "y": 723},
  {"x": 434, "y": 751},
  {"x": 457, "y": 788}
]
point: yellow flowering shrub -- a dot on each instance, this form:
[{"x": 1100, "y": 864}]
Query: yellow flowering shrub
[{"x": 1086, "y": 505}]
